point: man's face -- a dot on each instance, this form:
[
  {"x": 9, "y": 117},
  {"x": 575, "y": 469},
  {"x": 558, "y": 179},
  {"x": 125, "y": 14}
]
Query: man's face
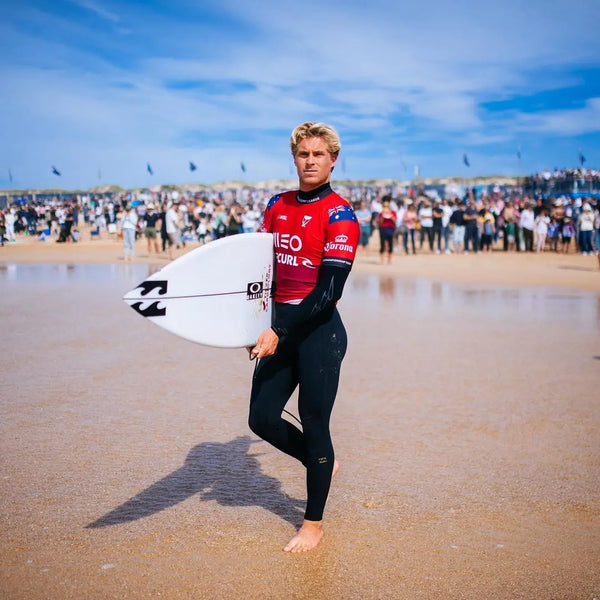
[{"x": 313, "y": 162}]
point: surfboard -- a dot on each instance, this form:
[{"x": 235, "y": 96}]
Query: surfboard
[{"x": 217, "y": 295}]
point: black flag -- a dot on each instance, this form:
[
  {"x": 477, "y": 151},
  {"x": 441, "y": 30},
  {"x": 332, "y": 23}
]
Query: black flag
[
  {"x": 466, "y": 160},
  {"x": 55, "y": 170},
  {"x": 243, "y": 167},
  {"x": 192, "y": 166}
]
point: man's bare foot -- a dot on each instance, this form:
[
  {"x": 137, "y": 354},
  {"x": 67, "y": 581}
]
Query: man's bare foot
[{"x": 307, "y": 538}]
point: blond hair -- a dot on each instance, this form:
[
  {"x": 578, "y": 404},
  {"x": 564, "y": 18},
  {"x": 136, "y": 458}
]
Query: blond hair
[{"x": 311, "y": 129}]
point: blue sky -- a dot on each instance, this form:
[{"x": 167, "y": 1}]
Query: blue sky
[{"x": 99, "y": 89}]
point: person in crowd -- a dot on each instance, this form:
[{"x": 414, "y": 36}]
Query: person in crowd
[
  {"x": 202, "y": 229},
  {"x": 542, "y": 222},
  {"x": 457, "y": 226},
  {"x": 234, "y": 220},
  {"x": 437, "y": 216},
  {"x": 387, "y": 227},
  {"x": 2, "y": 227},
  {"x": 250, "y": 219},
  {"x": 487, "y": 230},
  {"x": 172, "y": 228},
  {"x": 10, "y": 219},
  {"x": 447, "y": 210},
  {"x": 220, "y": 222},
  {"x": 470, "y": 217},
  {"x": 364, "y": 217},
  {"x": 410, "y": 224},
  {"x": 567, "y": 233},
  {"x": 553, "y": 234},
  {"x": 152, "y": 220},
  {"x": 426, "y": 221},
  {"x": 527, "y": 225},
  {"x": 597, "y": 228},
  {"x": 586, "y": 230},
  {"x": 127, "y": 225}
]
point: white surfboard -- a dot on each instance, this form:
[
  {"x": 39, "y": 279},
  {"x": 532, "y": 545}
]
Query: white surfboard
[{"x": 217, "y": 295}]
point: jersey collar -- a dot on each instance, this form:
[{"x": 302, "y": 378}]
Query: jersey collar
[{"x": 314, "y": 195}]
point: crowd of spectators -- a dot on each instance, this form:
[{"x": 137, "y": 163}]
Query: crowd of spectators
[
  {"x": 406, "y": 220},
  {"x": 563, "y": 181}
]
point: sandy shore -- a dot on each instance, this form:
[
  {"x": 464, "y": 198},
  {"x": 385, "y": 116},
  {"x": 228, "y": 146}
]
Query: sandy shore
[
  {"x": 469, "y": 442},
  {"x": 547, "y": 269}
]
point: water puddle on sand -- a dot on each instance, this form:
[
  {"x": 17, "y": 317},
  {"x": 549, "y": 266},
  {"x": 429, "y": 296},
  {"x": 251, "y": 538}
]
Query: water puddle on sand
[{"x": 363, "y": 290}]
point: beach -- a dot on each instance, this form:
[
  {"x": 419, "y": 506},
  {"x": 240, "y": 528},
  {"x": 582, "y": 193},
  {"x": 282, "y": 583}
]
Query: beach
[{"x": 467, "y": 426}]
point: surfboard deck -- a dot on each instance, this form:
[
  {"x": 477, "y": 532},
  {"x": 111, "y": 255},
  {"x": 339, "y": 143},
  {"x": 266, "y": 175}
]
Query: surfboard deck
[{"x": 217, "y": 295}]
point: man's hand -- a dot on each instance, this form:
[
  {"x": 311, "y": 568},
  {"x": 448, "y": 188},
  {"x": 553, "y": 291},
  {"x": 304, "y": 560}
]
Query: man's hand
[{"x": 266, "y": 344}]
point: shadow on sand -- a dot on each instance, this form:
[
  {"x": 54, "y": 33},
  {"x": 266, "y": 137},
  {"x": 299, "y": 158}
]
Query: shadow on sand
[{"x": 226, "y": 473}]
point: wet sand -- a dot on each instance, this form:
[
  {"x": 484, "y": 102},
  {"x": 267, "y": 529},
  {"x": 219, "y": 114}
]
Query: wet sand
[{"x": 467, "y": 426}]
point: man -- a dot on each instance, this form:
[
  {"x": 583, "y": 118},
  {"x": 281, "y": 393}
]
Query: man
[
  {"x": 527, "y": 224},
  {"x": 471, "y": 227},
  {"x": 426, "y": 220},
  {"x": 363, "y": 214},
  {"x": 315, "y": 235},
  {"x": 438, "y": 215},
  {"x": 152, "y": 217},
  {"x": 457, "y": 223},
  {"x": 172, "y": 221}
]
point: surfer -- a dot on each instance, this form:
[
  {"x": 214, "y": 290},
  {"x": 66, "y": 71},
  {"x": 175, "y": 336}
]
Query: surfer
[{"x": 315, "y": 236}]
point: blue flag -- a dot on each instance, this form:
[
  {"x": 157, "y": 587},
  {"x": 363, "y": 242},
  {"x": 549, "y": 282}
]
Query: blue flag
[
  {"x": 149, "y": 169},
  {"x": 55, "y": 171},
  {"x": 243, "y": 167},
  {"x": 519, "y": 153},
  {"x": 466, "y": 160},
  {"x": 193, "y": 167},
  {"x": 581, "y": 159},
  {"x": 10, "y": 175}
]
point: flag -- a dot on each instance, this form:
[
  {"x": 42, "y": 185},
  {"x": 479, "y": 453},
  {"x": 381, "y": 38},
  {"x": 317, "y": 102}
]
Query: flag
[
  {"x": 417, "y": 170},
  {"x": 149, "y": 169},
  {"x": 193, "y": 167},
  {"x": 9, "y": 175},
  {"x": 466, "y": 160},
  {"x": 519, "y": 152},
  {"x": 99, "y": 174},
  {"x": 243, "y": 167},
  {"x": 55, "y": 171},
  {"x": 581, "y": 159}
]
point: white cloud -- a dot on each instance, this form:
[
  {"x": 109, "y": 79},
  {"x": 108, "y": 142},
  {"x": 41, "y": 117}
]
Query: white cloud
[
  {"x": 97, "y": 9},
  {"x": 391, "y": 76}
]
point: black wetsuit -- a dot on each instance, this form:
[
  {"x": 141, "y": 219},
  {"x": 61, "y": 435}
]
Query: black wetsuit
[{"x": 315, "y": 238}]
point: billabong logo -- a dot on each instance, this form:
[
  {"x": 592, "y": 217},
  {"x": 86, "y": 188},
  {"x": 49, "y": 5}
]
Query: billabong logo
[{"x": 306, "y": 220}]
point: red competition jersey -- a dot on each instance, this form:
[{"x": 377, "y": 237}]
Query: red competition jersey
[{"x": 306, "y": 235}]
